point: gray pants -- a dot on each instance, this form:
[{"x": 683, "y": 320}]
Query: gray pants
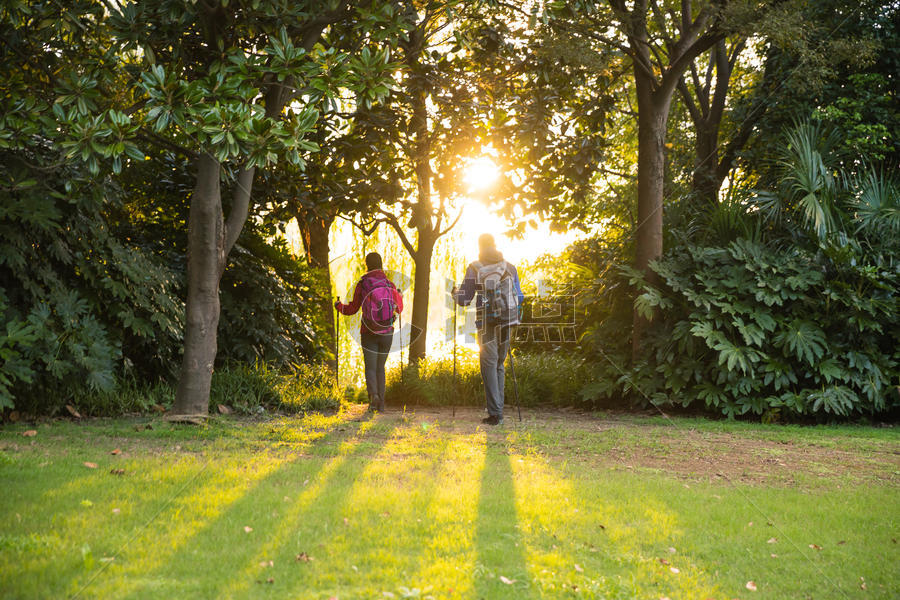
[
  {"x": 376, "y": 347},
  {"x": 493, "y": 342}
]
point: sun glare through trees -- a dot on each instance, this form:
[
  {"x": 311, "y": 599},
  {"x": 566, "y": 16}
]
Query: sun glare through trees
[{"x": 254, "y": 343}]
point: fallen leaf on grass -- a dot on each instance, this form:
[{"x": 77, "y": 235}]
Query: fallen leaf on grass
[
  {"x": 224, "y": 410},
  {"x": 267, "y": 563},
  {"x": 304, "y": 557},
  {"x": 663, "y": 561},
  {"x": 675, "y": 570},
  {"x": 72, "y": 411},
  {"x": 672, "y": 550},
  {"x": 772, "y": 540},
  {"x": 579, "y": 568},
  {"x": 269, "y": 580},
  {"x": 815, "y": 546},
  {"x": 108, "y": 559},
  {"x": 842, "y": 542},
  {"x": 346, "y": 521},
  {"x": 159, "y": 408},
  {"x": 29, "y": 433},
  {"x": 507, "y": 580},
  {"x": 90, "y": 465},
  {"x": 116, "y": 511},
  {"x": 116, "y": 452},
  {"x": 751, "y": 586},
  {"x": 774, "y": 555},
  {"x": 247, "y": 529},
  {"x": 118, "y": 471}
]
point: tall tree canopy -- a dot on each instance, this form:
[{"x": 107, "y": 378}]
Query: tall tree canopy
[{"x": 232, "y": 86}]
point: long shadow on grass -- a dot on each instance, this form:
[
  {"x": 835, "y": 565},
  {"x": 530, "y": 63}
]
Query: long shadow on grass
[
  {"x": 371, "y": 537},
  {"x": 232, "y": 542},
  {"x": 501, "y": 569}
]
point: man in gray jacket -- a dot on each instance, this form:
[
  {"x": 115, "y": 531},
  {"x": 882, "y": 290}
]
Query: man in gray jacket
[{"x": 495, "y": 283}]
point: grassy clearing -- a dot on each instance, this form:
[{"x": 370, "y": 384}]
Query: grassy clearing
[{"x": 427, "y": 504}]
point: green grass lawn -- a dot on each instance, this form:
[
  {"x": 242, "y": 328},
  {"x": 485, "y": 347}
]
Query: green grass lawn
[{"x": 427, "y": 504}]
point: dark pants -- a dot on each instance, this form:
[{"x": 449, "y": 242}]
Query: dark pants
[{"x": 376, "y": 347}]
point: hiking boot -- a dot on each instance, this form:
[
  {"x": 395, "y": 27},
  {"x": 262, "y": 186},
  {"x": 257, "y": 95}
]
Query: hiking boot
[{"x": 492, "y": 420}]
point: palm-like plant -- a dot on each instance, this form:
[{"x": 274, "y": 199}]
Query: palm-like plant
[
  {"x": 875, "y": 201},
  {"x": 811, "y": 187}
]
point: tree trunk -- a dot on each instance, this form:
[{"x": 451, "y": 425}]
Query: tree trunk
[
  {"x": 314, "y": 231},
  {"x": 210, "y": 239},
  {"x": 421, "y": 286},
  {"x": 422, "y": 212},
  {"x": 206, "y": 257},
  {"x": 653, "y": 115},
  {"x": 705, "y": 182}
]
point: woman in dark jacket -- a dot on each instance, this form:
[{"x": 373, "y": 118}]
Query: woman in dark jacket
[{"x": 380, "y": 301}]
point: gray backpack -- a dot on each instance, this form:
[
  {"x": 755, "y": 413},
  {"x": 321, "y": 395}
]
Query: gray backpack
[{"x": 500, "y": 305}]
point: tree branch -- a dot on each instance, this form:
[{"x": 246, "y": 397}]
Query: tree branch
[
  {"x": 723, "y": 77},
  {"x": 696, "y": 117},
  {"x": 366, "y": 232},
  {"x": 152, "y": 138},
  {"x": 395, "y": 224},
  {"x": 685, "y": 16},
  {"x": 676, "y": 69},
  {"x": 240, "y": 206},
  {"x": 451, "y": 225}
]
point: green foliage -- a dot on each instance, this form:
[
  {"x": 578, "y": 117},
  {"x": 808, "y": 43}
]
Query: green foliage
[
  {"x": 754, "y": 329},
  {"x": 254, "y": 389},
  {"x": 431, "y": 382},
  {"x": 782, "y": 303},
  {"x": 842, "y": 71},
  {"x": 544, "y": 379},
  {"x": 129, "y": 396},
  {"x": 269, "y": 305},
  {"x": 80, "y": 305}
]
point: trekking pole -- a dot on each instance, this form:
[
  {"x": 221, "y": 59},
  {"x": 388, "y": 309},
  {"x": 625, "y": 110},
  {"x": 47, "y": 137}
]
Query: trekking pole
[
  {"x": 337, "y": 342},
  {"x": 455, "y": 378},
  {"x": 512, "y": 369},
  {"x": 400, "y": 317}
]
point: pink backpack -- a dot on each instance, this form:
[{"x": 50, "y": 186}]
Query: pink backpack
[{"x": 379, "y": 308}]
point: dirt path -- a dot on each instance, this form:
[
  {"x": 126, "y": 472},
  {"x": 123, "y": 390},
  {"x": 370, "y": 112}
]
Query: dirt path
[{"x": 747, "y": 454}]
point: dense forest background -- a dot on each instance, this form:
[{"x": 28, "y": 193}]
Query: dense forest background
[{"x": 731, "y": 166}]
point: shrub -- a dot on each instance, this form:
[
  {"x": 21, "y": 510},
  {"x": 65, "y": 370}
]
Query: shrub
[
  {"x": 544, "y": 379},
  {"x": 749, "y": 329},
  {"x": 251, "y": 389},
  {"x": 310, "y": 387},
  {"x": 80, "y": 306},
  {"x": 128, "y": 396}
]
